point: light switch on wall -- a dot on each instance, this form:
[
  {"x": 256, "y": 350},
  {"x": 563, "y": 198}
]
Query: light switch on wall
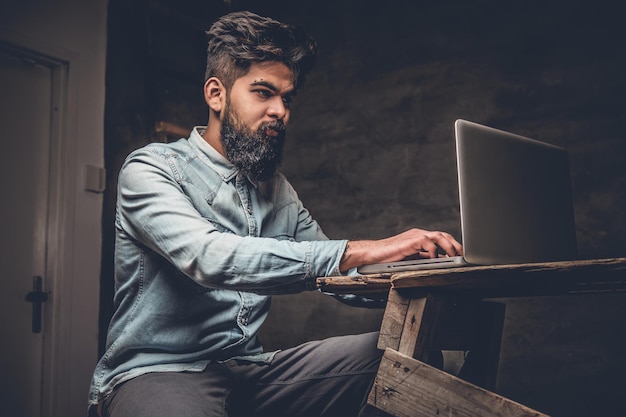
[{"x": 95, "y": 179}]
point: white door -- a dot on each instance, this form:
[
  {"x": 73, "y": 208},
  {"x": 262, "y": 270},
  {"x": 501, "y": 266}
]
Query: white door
[{"x": 26, "y": 115}]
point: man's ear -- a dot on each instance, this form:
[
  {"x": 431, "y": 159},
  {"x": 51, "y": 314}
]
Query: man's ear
[{"x": 214, "y": 94}]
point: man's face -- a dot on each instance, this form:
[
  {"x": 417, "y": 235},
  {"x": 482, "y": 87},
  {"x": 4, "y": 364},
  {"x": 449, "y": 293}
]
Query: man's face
[{"x": 255, "y": 117}]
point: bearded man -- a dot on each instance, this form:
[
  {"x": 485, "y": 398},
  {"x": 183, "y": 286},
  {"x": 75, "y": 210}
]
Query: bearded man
[{"x": 207, "y": 230}]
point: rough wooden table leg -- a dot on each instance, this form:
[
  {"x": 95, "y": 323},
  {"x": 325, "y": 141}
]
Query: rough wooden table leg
[
  {"x": 393, "y": 321},
  {"x": 410, "y": 322},
  {"x": 421, "y": 325},
  {"x": 416, "y": 324}
]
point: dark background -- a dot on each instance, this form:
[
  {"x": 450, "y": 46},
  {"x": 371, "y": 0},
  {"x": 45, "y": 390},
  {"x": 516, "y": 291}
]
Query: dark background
[{"x": 371, "y": 152}]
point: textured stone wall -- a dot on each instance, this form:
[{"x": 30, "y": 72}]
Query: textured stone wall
[{"x": 371, "y": 153}]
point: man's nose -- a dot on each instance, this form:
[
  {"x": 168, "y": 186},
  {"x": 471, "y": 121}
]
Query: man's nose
[{"x": 277, "y": 108}]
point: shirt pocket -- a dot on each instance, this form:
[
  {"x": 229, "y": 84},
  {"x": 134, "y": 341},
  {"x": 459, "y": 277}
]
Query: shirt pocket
[{"x": 282, "y": 224}]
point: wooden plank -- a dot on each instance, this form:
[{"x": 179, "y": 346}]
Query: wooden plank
[
  {"x": 416, "y": 327},
  {"x": 548, "y": 278},
  {"x": 405, "y": 387},
  {"x": 360, "y": 284},
  {"x": 393, "y": 321},
  {"x": 420, "y": 325}
]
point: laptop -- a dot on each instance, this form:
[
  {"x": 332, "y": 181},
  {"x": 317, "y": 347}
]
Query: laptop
[{"x": 515, "y": 202}]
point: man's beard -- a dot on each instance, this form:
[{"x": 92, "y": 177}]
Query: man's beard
[{"x": 256, "y": 153}]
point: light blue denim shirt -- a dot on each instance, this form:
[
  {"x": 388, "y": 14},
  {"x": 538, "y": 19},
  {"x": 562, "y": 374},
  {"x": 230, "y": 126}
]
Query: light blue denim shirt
[{"x": 199, "y": 249}]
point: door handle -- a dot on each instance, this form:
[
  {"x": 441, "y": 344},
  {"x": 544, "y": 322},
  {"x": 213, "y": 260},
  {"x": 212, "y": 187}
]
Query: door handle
[{"x": 37, "y": 297}]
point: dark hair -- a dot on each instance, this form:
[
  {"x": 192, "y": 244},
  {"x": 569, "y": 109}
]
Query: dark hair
[{"x": 238, "y": 39}]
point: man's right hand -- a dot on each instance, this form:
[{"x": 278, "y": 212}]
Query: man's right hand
[{"x": 412, "y": 243}]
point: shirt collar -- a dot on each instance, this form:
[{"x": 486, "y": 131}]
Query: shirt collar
[{"x": 210, "y": 156}]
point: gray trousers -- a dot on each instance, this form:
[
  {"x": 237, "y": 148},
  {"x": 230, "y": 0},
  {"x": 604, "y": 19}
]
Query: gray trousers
[{"x": 330, "y": 377}]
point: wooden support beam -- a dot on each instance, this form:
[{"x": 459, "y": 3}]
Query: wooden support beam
[
  {"x": 420, "y": 326},
  {"x": 406, "y": 387},
  {"x": 393, "y": 321}
]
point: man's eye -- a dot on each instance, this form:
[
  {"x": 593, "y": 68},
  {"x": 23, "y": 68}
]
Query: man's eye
[
  {"x": 264, "y": 93},
  {"x": 287, "y": 100}
]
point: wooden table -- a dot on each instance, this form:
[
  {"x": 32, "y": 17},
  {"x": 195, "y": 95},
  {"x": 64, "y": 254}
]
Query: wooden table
[{"x": 448, "y": 309}]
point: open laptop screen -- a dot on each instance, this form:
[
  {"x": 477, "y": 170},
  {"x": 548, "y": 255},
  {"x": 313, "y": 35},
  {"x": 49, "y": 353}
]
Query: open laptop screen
[
  {"x": 515, "y": 197},
  {"x": 515, "y": 202}
]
